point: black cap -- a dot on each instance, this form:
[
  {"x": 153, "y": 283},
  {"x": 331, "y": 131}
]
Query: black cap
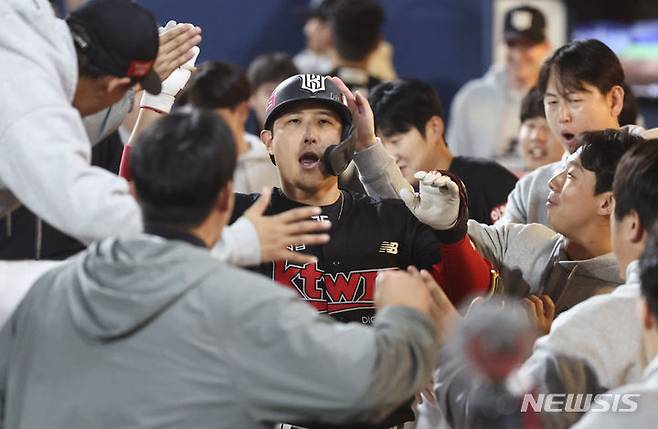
[
  {"x": 306, "y": 87},
  {"x": 525, "y": 23},
  {"x": 319, "y": 9},
  {"x": 120, "y": 38}
]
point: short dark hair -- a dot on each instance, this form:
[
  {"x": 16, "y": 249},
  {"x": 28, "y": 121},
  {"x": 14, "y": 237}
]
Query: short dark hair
[
  {"x": 582, "y": 61},
  {"x": 356, "y": 26},
  {"x": 532, "y": 105},
  {"x": 636, "y": 184},
  {"x": 273, "y": 67},
  {"x": 214, "y": 85},
  {"x": 85, "y": 67},
  {"x": 649, "y": 271},
  {"x": 180, "y": 164},
  {"x": 630, "y": 109},
  {"x": 601, "y": 152},
  {"x": 401, "y": 104}
]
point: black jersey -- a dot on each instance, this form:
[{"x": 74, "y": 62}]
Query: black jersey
[
  {"x": 367, "y": 236},
  {"x": 487, "y": 184}
]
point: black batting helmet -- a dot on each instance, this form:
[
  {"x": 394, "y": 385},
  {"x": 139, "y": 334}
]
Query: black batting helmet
[
  {"x": 307, "y": 87},
  {"x": 314, "y": 87}
]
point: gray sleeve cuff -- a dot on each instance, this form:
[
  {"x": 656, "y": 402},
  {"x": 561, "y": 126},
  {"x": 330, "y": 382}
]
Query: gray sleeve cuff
[
  {"x": 378, "y": 172},
  {"x": 405, "y": 317},
  {"x": 239, "y": 244}
]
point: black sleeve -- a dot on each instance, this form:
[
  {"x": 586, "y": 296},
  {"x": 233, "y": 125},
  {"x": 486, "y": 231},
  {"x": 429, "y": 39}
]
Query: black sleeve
[{"x": 242, "y": 204}]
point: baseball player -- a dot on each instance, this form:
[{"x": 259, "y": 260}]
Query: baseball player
[{"x": 313, "y": 127}]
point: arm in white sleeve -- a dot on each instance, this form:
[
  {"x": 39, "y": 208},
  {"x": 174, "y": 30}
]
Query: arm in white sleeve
[
  {"x": 379, "y": 173},
  {"x": 45, "y": 164},
  {"x": 239, "y": 244}
]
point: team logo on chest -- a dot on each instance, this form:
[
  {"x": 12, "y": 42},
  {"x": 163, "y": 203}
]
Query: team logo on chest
[
  {"x": 329, "y": 292},
  {"x": 313, "y": 82}
]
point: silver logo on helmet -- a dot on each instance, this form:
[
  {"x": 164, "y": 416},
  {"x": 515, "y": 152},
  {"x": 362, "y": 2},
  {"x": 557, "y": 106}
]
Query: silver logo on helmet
[{"x": 313, "y": 82}]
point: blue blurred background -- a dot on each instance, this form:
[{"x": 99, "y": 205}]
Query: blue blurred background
[{"x": 443, "y": 42}]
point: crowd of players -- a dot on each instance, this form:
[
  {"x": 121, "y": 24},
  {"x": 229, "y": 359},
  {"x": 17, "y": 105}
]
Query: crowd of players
[{"x": 310, "y": 243}]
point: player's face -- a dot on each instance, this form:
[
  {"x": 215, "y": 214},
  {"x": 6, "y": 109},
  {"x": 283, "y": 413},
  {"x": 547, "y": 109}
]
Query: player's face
[
  {"x": 523, "y": 60},
  {"x": 95, "y": 94},
  {"x": 318, "y": 35},
  {"x": 299, "y": 139},
  {"x": 571, "y": 202},
  {"x": 412, "y": 152},
  {"x": 537, "y": 145},
  {"x": 572, "y": 112}
]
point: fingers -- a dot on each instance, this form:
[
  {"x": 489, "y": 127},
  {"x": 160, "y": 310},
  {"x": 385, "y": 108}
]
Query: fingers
[
  {"x": 176, "y": 48},
  {"x": 530, "y": 309},
  {"x": 437, "y": 180},
  {"x": 420, "y": 175},
  {"x": 189, "y": 65},
  {"x": 361, "y": 102},
  {"x": 349, "y": 97},
  {"x": 549, "y": 307},
  {"x": 295, "y": 257},
  {"x": 437, "y": 294},
  {"x": 177, "y": 35},
  {"x": 303, "y": 227},
  {"x": 294, "y": 215},
  {"x": 307, "y": 239},
  {"x": 259, "y": 207},
  {"x": 413, "y": 271},
  {"x": 539, "y": 305},
  {"x": 428, "y": 394}
]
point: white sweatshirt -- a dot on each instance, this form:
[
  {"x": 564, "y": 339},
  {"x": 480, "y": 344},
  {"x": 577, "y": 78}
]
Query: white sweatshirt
[{"x": 45, "y": 149}]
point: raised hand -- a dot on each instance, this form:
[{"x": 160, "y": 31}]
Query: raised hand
[
  {"x": 362, "y": 116},
  {"x": 437, "y": 202},
  {"x": 291, "y": 227}
]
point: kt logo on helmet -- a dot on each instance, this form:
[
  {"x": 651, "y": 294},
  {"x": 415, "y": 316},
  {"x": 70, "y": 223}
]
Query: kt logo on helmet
[
  {"x": 313, "y": 82},
  {"x": 327, "y": 292}
]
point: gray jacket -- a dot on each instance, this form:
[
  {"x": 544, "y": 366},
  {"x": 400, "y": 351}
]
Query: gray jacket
[
  {"x": 527, "y": 201},
  {"x": 147, "y": 332},
  {"x": 531, "y": 260}
]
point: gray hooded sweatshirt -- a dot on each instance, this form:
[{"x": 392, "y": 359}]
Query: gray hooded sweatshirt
[{"x": 153, "y": 333}]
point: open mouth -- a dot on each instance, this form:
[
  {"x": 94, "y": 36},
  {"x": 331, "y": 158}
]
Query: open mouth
[
  {"x": 309, "y": 160},
  {"x": 569, "y": 139}
]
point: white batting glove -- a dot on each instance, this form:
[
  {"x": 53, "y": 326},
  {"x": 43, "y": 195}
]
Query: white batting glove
[
  {"x": 172, "y": 85},
  {"x": 169, "y": 26},
  {"x": 437, "y": 203}
]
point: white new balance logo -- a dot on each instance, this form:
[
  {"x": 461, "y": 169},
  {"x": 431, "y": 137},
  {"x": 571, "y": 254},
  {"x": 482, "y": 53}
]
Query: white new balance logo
[{"x": 389, "y": 247}]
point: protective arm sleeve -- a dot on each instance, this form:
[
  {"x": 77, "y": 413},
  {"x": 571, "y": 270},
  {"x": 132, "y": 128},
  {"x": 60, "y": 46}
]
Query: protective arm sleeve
[{"x": 462, "y": 271}]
